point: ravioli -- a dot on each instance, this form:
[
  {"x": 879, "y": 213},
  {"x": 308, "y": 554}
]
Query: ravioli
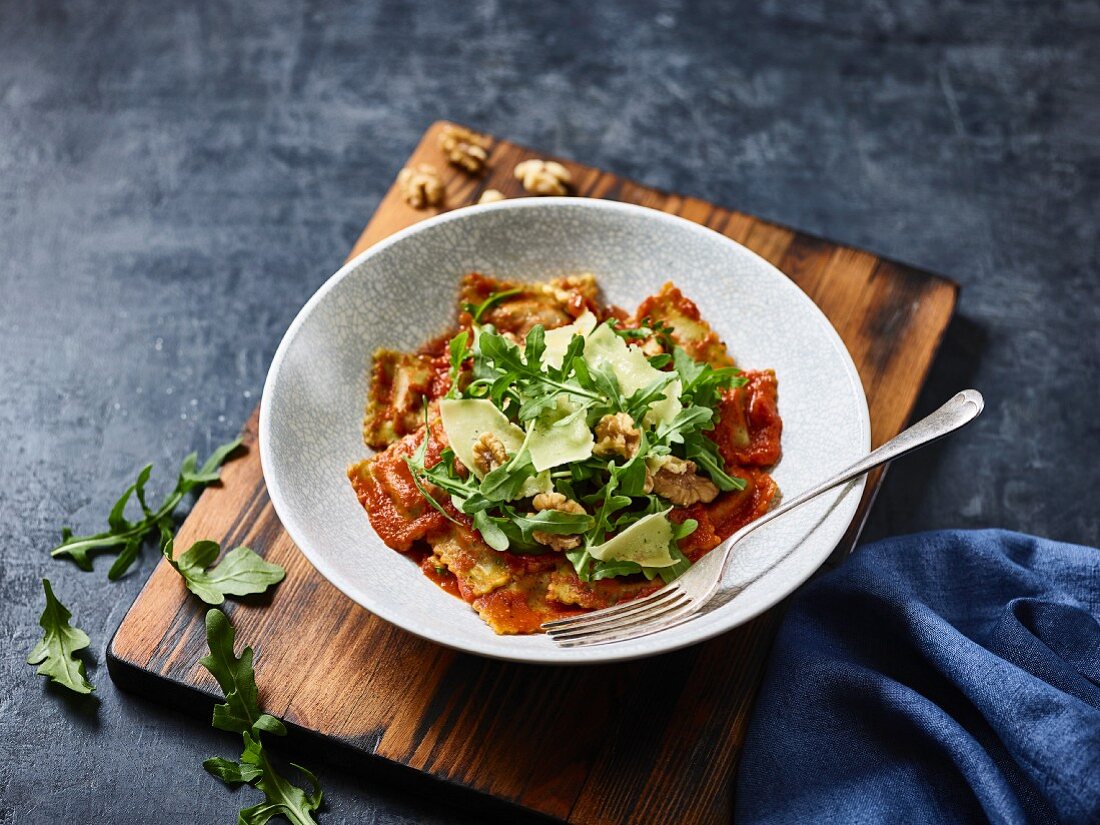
[
  {"x": 400, "y": 382},
  {"x": 689, "y": 330}
]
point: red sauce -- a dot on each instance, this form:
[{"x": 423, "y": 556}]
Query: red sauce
[
  {"x": 671, "y": 297},
  {"x": 431, "y": 568},
  {"x": 749, "y": 427},
  {"x": 726, "y": 514}
]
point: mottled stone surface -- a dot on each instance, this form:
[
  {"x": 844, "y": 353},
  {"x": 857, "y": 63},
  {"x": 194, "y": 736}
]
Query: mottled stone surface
[{"x": 177, "y": 178}]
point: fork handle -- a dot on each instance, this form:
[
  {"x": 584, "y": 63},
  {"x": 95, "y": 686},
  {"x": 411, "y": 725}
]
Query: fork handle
[{"x": 958, "y": 412}]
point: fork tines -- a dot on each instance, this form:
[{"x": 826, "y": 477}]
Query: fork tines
[{"x": 621, "y": 622}]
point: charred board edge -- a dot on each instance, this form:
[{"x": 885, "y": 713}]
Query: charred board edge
[{"x": 319, "y": 751}]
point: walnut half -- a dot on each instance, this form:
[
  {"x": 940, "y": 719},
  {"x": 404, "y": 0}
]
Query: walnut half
[
  {"x": 617, "y": 435},
  {"x": 678, "y": 481},
  {"x": 556, "y": 501},
  {"x": 544, "y": 177},
  {"x": 491, "y": 196},
  {"x": 489, "y": 453},
  {"x": 463, "y": 148},
  {"x": 421, "y": 187}
]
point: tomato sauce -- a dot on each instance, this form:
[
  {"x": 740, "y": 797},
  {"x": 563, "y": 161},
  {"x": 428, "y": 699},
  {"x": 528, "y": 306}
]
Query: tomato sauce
[
  {"x": 749, "y": 427},
  {"x": 430, "y": 567}
]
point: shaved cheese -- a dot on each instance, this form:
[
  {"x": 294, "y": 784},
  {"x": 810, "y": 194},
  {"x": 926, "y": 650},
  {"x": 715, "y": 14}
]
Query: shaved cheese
[
  {"x": 536, "y": 484},
  {"x": 557, "y": 340},
  {"x": 560, "y": 436},
  {"x": 466, "y": 420},
  {"x": 633, "y": 371},
  {"x": 645, "y": 542}
]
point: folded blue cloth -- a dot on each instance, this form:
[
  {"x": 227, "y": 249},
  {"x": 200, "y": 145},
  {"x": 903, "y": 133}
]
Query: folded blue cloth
[{"x": 942, "y": 677}]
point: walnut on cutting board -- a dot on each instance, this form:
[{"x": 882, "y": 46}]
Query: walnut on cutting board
[
  {"x": 463, "y": 148},
  {"x": 421, "y": 186},
  {"x": 544, "y": 177}
]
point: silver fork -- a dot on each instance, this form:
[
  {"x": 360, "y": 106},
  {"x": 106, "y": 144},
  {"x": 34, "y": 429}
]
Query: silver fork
[{"x": 678, "y": 601}]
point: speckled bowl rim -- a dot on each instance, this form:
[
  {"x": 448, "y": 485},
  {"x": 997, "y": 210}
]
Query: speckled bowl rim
[{"x": 660, "y": 642}]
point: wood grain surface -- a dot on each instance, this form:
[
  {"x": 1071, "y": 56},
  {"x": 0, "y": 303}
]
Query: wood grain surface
[{"x": 583, "y": 744}]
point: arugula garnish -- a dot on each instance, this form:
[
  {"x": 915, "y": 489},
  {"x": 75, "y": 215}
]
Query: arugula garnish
[
  {"x": 520, "y": 382},
  {"x": 537, "y": 396},
  {"x": 459, "y": 352},
  {"x": 703, "y": 384},
  {"x": 515, "y": 380},
  {"x": 477, "y": 310},
  {"x": 704, "y": 453},
  {"x": 241, "y": 714},
  {"x": 55, "y": 655},
  {"x": 128, "y": 536},
  {"x": 241, "y": 573}
]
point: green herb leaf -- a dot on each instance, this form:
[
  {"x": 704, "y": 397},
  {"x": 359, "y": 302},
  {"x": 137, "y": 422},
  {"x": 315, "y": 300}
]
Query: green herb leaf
[
  {"x": 679, "y": 531},
  {"x": 581, "y": 560},
  {"x": 659, "y": 330},
  {"x": 553, "y": 521},
  {"x": 500, "y": 357},
  {"x": 686, "y": 421},
  {"x": 209, "y": 472},
  {"x": 704, "y": 452},
  {"x": 684, "y": 528},
  {"x": 504, "y": 483},
  {"x": 241, "y": 713},
  {"x": 534, "y": 345},
  {"x": 640, "y": 402},
  {"x": 570, "y": 360},
  {"x": 234, "y": 773},
  {"x": 125, "y": 558},
  {"x": 632, "y": 475},
  {"x": 416, "y": 470},
  {"x": 55, "y": 655},
  {"x": 609, "y": 569},
  {"x": 459, "y": 353},
  {"x": 701, "y": 383},
  {"x": 130, "y": 536},
  {"x": 282, "y": 798},
  {"x": 491, "y": 531},
  {"x": 607, "y": 385},
  {"x": 241, "y": 573},
  {"x": 477, "y": 310},
  {"x": 628, "y": 334}
]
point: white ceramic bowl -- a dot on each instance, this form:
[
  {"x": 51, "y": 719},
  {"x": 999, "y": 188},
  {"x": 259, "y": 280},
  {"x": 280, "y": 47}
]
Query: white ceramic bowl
[{"x": 402, "y": 291}]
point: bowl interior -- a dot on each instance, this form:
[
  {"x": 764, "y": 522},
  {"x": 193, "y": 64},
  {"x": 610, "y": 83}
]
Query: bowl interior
[{"x": 403, "y": 291}]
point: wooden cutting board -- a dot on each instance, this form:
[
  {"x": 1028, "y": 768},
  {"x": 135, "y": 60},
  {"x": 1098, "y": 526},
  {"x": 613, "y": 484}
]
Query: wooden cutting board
[{"x": 583, "y": 744}]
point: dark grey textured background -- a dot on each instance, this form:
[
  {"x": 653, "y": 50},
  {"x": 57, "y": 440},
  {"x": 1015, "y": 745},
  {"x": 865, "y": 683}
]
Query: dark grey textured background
[{"x": 177, "y": 178}]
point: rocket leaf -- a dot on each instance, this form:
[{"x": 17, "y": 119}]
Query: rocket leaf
[
  {"x": 241, "y": 713},
  {"x": 240, "y": 573},
  {"x": 55, "y": 655},
  {"x": 128, "y": 536}
]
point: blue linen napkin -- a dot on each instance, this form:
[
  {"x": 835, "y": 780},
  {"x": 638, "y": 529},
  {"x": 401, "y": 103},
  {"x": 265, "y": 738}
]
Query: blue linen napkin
[{"x": 941, "y": 677}]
